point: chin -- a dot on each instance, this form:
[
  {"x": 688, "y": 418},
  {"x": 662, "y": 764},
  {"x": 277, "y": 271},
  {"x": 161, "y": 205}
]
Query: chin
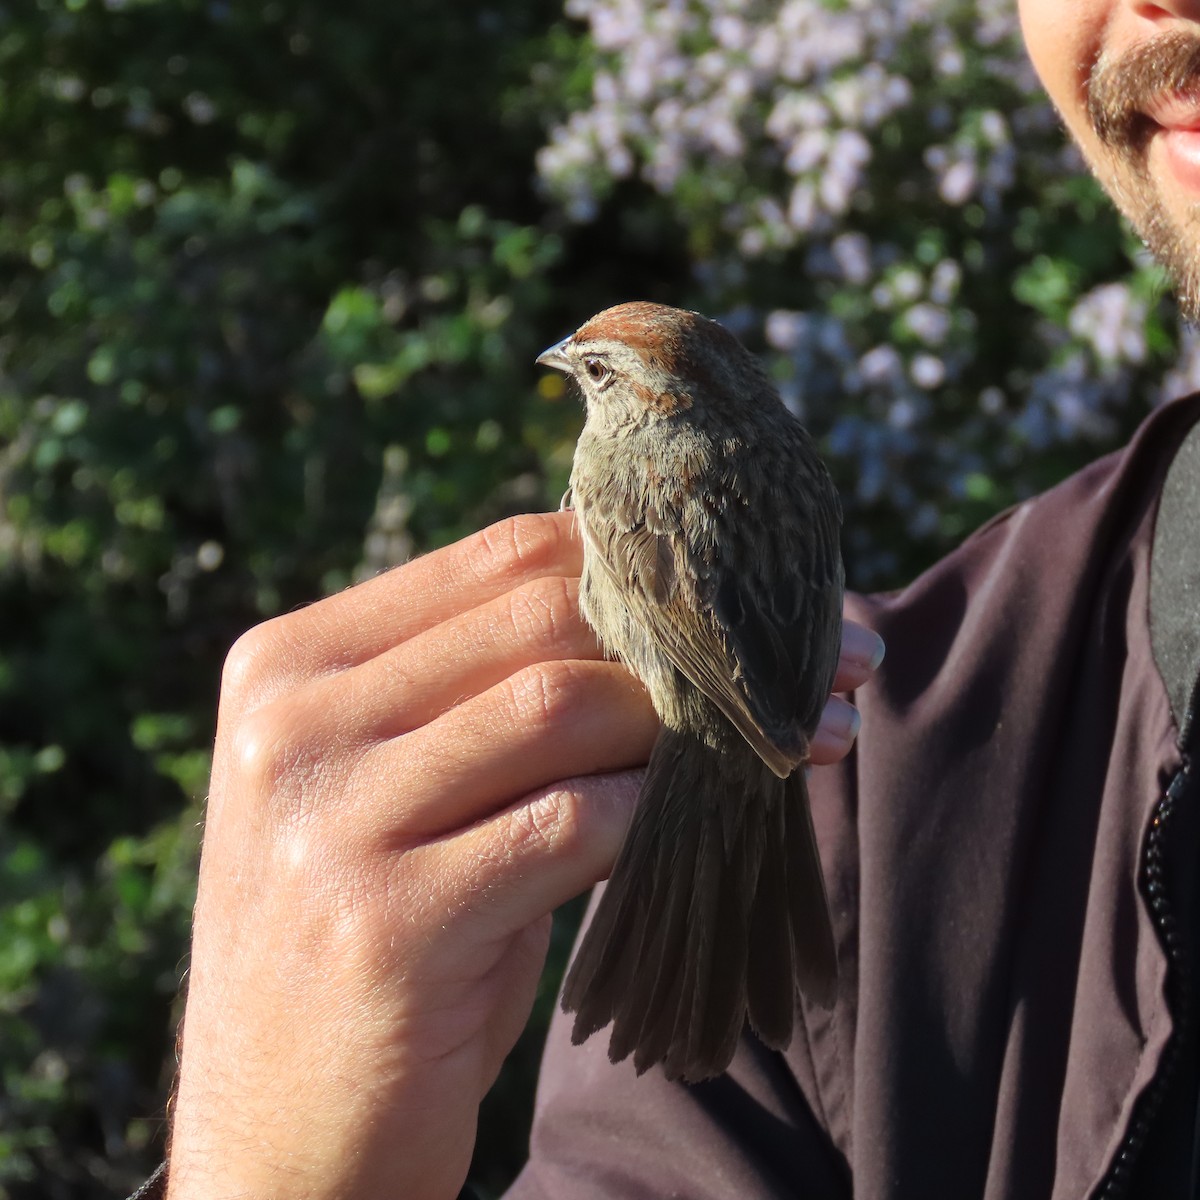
[{"x": 1172, "y": 240}]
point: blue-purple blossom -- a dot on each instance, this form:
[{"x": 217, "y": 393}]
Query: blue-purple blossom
[
  {"x": 881, "y": 365},
  {"x": 928, "y": 371},
  {"x": 1113, "y": 322},
  {"x": 852, "y": 254},
  {"x": 928, "y": 322}
]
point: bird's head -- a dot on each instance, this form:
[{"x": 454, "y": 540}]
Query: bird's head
[{"x": 641, "y": 362}]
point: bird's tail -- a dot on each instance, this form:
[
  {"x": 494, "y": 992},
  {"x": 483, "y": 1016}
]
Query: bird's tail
[{"x": 715, "y": 912}]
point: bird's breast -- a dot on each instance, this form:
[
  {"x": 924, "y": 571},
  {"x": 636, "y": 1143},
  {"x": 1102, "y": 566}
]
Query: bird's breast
[{"x": 612, "y": 496}]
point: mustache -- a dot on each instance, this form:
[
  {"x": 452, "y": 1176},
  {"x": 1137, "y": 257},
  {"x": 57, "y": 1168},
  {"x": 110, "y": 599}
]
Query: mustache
[{"x": 1119, "y": 89}]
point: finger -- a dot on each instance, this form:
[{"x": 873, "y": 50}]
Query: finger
[
  {"x": 538, "y": 621},
  {"x": 372, "y": 617},
  {"x": 467, "y": 574},
  {"x": 862, "y": 652},
  {"x": 836, "y": 732},
  {"x": 551, "y": 721},
  {"x": 522, "y": 863},
  {"x": 419, "y": 680}
]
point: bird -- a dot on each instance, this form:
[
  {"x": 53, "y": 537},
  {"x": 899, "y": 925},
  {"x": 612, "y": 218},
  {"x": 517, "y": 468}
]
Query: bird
[{"x": 712, "y": 569}]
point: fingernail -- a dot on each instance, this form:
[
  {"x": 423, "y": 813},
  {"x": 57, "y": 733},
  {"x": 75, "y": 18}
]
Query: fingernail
[
  {"x": 842, "y": 722},
  {"x": 853, "y": 725},
  {"x": 863, "y": 646}
]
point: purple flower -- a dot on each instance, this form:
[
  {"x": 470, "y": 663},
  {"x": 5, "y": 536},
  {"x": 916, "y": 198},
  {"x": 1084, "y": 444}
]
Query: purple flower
[
  {"x": 927, "y": 371},
  {"x": 928, "y": 322}
]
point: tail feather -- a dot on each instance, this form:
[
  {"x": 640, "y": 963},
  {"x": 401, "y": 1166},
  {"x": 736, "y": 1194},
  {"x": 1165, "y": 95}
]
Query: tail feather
[
  {"x": 653, "y": 1000},
  {"x": 708, "y": 918},
  {"x": 772, "y": 951},
  {"x": 717, "y": 984},
  {"x": 621, "y": 938},
  {"x": 812, "y": 940}
]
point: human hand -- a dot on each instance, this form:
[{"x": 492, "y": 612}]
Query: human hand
[{"x": 408, "y": 778}]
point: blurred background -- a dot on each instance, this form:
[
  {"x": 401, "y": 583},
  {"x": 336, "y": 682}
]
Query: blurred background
[{"x": 272, "y": 280}]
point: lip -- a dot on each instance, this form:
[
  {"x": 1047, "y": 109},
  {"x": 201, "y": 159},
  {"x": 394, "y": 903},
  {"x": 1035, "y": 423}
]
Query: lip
[
  {"x": 1175, "y": 111},
  {"x": 1177, "y": 117}
]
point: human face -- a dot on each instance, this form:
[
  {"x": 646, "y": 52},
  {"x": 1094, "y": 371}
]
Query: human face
[{"x": 1125, "y": 75}]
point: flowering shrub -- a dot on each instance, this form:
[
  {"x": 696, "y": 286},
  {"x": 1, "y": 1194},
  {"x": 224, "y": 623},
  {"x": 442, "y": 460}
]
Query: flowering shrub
[{"x": 880, "y": 197}]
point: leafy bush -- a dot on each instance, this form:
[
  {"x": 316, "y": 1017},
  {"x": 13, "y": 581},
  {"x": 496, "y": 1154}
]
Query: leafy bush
[{"x": 271, "y": 284}]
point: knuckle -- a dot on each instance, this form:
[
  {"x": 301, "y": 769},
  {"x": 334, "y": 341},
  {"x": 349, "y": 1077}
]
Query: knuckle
[
  {"x": 245, "y": 660},
  {"x": 254, "y": 662},
  {"x": 549, "y": 824},
  {"x": 547, "y": 695},
  {"x": 259, "y": 749},
  {"x": 542, "y": 611},
  {"x": 284, "y": 761},
  {"x": 530, "y": 541}
]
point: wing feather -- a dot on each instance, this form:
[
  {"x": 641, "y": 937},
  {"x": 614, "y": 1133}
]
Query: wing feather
[{"x": 751, "y": 618}]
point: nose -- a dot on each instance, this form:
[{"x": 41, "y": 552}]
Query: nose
[{"x": 1165, "y": 11}]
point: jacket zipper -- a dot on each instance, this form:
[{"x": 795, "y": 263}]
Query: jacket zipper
[{"x": 1180, "y": 987}]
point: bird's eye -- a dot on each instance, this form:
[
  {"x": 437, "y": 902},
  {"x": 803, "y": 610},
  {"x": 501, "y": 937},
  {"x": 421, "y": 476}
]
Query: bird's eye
[{"x": 597, "y": 370}]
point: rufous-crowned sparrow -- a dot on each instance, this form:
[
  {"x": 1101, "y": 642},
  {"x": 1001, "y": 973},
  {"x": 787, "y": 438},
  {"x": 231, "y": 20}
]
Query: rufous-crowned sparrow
[{"x": 712, "y": 569}]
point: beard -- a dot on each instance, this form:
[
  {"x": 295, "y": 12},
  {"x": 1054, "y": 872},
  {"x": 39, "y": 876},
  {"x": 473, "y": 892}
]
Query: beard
[{"x": 1119, "y": 91}]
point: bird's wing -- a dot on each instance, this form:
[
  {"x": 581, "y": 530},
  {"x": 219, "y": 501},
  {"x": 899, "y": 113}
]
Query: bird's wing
[{"x": 753, "y": 621}]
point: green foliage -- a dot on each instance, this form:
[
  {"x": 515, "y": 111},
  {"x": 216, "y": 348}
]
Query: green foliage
[{"x": 272, "y": 279}]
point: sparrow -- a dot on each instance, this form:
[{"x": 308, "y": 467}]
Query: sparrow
[{"x": 712, "y": 570}]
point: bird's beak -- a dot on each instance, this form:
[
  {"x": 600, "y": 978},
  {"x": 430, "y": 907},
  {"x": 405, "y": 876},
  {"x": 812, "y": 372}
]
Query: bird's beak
[{"x": 556, "y": 356}]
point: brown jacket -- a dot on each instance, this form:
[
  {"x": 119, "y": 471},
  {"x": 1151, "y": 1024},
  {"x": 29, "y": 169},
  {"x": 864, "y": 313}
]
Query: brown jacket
[{"x": 1009, "y": 855}]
